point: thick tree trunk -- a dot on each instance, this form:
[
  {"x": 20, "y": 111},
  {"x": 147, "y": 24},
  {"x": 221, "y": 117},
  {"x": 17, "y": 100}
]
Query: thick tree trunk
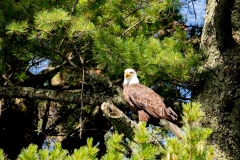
[{"x": 220, "y": 94}]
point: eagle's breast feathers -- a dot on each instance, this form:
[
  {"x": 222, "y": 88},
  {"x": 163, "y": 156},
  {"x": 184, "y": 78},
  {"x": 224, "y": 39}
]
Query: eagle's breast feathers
[{"x": 140, "y": 97}]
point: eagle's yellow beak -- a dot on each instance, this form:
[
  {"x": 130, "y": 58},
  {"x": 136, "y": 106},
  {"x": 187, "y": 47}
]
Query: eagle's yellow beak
[{"x": 127, "y": 74}]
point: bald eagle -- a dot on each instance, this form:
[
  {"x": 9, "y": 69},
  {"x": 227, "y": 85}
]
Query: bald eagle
[{"x": 147, "y": 104}]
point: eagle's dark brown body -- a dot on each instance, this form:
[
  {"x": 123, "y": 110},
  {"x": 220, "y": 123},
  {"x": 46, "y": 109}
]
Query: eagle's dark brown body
[{"x": 147, "y": 104}]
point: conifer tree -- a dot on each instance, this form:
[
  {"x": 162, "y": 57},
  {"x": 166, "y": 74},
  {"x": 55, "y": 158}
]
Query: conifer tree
[{"x": 60, "y": 60}]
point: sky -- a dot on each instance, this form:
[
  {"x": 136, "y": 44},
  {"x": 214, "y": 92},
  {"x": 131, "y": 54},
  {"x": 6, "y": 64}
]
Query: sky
[
  {"x": 38, "y": 65},
  {"x": 188, "y": 12}
]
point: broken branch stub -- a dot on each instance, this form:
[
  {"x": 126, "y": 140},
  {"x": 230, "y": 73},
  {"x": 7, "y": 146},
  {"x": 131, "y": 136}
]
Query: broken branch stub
[{"x": 119, "y": 120}]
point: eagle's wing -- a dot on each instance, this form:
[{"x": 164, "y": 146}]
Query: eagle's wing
[
  {"x": 145, "y": 102},
  {"x": 146, "y": 99}
]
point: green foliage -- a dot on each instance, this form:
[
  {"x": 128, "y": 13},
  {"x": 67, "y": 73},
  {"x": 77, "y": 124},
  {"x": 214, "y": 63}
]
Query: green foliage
[
  {"x": 127, "y": 41},
  {"x": 87, "y": 152},
  {"x": 192, "y": 113},
  {"x": 32, "y": 153},
  {"x": 194, "y": 144},
  {"x": 47, "y": 21},
  {"x": 108, "y": 36},
  {"x": 2, "y": 156},
  {"x": 29, "y": 153},
  {"x": 17, "y": 27},
  {"x": 115, "y": 149},
  {"x": 141, "y": 146},
  {"x": 124, "y": 35},
  {"x": 20, "y": 76},
  {"x": 58, "y": 152}
]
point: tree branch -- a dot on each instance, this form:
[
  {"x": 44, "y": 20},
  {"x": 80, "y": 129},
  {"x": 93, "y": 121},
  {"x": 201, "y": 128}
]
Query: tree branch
[
  {"x": 119, "y": 120},
  {"x": 129, "y": 28},
  {"x": 62, "y": 56},
  {"x": 122, "y": 123},
  {"x": 45, "y": 94},
  {"x": 39, "y": 79}
]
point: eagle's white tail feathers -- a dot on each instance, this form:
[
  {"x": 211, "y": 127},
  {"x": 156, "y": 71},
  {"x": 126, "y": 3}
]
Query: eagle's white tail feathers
[{"x": 172, "y": 127}]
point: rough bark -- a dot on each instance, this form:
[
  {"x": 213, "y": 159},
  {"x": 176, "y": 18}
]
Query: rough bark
[
  {"x": 73, "y": 97},
  {"x": 43, "y": 94},
  {"x": 118, "y": 119},
  {"x": 220, "y": 94}
]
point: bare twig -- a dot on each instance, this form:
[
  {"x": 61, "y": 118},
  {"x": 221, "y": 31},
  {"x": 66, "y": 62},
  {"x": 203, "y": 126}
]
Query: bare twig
[
  {"x": 141, "y": 7},
  {"x": 74, "y": 6},
  {"x": 83, "y": 76},
  {"x": 0, "y": 108},
  {"x": 194, "y": 9},
  {"x": 129, "y": 28},
  {"x": 55, "y": 52}
]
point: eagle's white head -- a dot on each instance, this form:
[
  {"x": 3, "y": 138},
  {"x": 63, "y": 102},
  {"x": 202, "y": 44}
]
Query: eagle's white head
[{"x": 130, "y": 77}]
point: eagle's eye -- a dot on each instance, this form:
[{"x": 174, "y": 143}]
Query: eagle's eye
[{"x": 131, "y": 72}]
